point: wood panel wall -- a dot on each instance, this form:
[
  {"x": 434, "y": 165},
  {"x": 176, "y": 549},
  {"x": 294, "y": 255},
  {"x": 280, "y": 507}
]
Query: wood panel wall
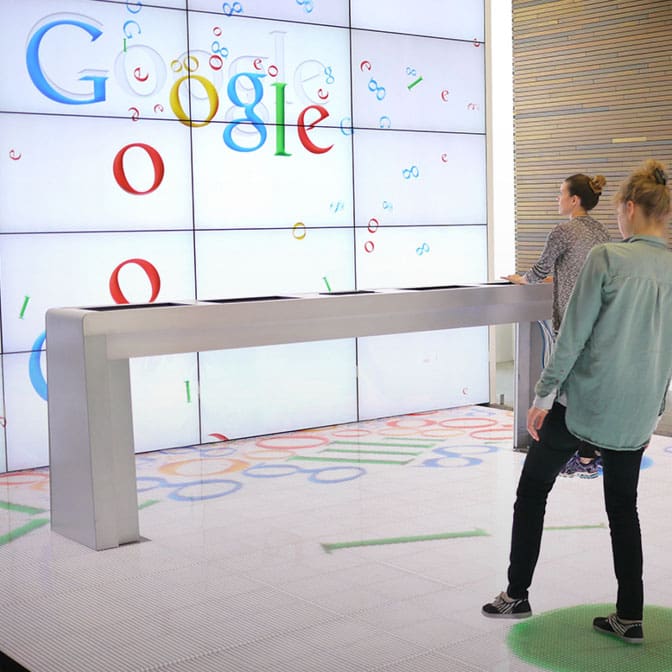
[{"x": 592, "y": 94}]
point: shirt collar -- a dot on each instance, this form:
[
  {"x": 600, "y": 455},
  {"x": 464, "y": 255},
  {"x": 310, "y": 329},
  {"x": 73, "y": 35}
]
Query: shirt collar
[{"x": 652, "y": 240}]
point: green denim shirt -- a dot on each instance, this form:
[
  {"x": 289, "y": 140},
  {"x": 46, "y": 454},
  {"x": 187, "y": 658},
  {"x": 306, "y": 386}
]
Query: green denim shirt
[{"x": 613, "y": 356}]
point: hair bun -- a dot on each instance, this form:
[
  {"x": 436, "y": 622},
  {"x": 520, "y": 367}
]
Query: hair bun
[
  {"x": 659, "y": 176},
  {"x": 597, "y": 183}
]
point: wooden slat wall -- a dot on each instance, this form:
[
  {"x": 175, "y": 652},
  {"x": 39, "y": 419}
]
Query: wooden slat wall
[{"x": 592, "y": 94}]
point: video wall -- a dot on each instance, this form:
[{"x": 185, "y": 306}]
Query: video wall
[{"x": 194, "y": 149}]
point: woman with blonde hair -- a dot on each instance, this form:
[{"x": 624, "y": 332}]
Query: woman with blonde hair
[{"x": 612, "y": 364}]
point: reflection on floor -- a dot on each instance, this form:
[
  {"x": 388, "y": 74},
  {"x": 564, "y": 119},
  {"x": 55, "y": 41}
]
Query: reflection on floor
[{"x": 354, "y": 548}]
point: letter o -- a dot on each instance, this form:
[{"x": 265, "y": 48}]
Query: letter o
[
  {"x": 120, "y": 175},
  {"x": 153, "y": 275},
  {"x": 176, "y": 105}
]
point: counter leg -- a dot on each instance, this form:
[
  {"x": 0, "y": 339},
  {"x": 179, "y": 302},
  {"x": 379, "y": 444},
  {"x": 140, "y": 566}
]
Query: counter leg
[
  {"x": 527, "y": 369},
  {"x": 91, "y": 454}
]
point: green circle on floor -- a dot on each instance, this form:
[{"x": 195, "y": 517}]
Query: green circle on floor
[{"x": 563, "y": 640}]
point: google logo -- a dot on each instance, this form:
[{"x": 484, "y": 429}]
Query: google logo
[{"x": 307, "y": 119}]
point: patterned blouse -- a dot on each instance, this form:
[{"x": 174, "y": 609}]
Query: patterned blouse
[{"x": 566, "y": 249}]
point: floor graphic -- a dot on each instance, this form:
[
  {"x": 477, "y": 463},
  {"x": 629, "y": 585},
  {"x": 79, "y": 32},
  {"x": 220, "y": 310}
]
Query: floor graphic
[
  {"x": 563, "y": 640},
  {"x": 404, "y": 540},
  {"x": 446, "y": 439}
]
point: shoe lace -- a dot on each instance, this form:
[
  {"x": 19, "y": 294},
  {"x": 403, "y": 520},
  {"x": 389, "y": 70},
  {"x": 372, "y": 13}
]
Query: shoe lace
[{"x": 500, "y": 601}]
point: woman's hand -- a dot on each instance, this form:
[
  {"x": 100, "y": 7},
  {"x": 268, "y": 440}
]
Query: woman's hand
[
  {"x": 515, "y": 279},
  {"x": 535, "y": 419}
]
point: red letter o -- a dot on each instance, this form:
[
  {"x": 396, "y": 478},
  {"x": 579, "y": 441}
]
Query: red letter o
[
  {"x": 152, "y": 274},
  {"x": 120, "y": 175}
]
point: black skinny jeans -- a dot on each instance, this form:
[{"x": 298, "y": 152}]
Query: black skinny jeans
[{"x": 620, "y": 470}]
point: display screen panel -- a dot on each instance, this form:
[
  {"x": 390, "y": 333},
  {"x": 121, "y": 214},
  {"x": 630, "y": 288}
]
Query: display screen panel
[
  {"x": 275, "y": 68},
  {"x": 95, "y": 180},
  {"x": 26, "y": 433},
  {"x": 402, "y": 82},
  {"x": 89, "y": 58},
  {"x": 257, "y": 190},
  {"x": 332, "y": 12},
  {"x": 419, "y": 179},
  {"x": 444, "y": 18},
  {"x": 45, "y": 271},
  {"x": 299, "y": 260},
  {"x": 433, "y": 369},
  {"x": 173, "y": 150},
  {"x": 165, "y": 401},
  {"x": 312, "y": 381},
  {"x": 430, "y": 256}
]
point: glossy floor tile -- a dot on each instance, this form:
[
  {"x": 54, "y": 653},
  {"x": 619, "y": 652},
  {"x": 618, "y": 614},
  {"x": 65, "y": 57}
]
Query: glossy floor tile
[{"x": 360, "y": 547}]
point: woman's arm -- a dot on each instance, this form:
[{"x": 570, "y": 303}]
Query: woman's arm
[{"x": 556, "y": 245}]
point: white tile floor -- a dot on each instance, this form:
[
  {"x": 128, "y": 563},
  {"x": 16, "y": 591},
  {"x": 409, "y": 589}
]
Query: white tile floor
[{"x": 237, "y": 572}]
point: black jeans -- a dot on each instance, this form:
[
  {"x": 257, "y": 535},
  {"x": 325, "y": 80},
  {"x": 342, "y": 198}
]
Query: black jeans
[
  {"x": 587, "y": 450},
  {"x": 620, "y": 469}
]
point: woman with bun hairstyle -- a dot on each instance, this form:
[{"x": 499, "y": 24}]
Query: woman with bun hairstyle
[
  {"x": 566, "y": 249},
  {"x": 568, "y": 244},
  {"x": 612, "y": 363}
]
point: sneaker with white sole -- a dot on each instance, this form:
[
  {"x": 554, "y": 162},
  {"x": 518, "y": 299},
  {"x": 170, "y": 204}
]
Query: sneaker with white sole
[
  {"x": 575, "y": 467},
  {"x": 631, "y": 633},
  {"x": 505, "y": 607}
]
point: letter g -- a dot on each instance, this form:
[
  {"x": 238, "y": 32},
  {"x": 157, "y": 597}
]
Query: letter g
[{"x": 39, "y": 78}]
